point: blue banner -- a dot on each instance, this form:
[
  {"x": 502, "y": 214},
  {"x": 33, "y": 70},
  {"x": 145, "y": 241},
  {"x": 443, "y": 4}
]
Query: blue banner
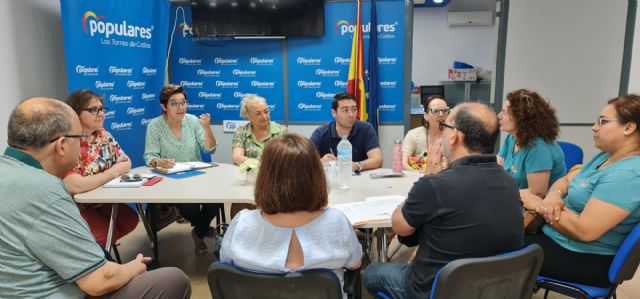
[
  {"x": 218, "y": 73},
  {"x": 118, "y": 49}
]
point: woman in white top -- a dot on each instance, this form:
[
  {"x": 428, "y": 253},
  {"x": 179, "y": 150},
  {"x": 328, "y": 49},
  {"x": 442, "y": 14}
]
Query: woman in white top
[
  {"x": 418, "y": 141},
  {"x": 292, "y": 229}
]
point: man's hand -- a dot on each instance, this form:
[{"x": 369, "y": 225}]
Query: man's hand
[
  {"x": 328, "y": 157},
  {"x": 434, "y": 158}
]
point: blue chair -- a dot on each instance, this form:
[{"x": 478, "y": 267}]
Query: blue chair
[
  {"x": 573, "y": 154},
  {"x": 623, "y": 267},
  {"x": 509, "y": 275}
]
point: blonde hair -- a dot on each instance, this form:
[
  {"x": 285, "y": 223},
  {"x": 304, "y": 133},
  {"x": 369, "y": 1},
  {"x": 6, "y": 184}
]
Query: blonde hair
[{"x": 247, "y": 101}]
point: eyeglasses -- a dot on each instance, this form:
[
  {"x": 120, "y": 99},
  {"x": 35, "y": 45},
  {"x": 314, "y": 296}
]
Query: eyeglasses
[
  {"x": 83, "y": 135},
  {"x": 437, "y": 111},
  {"x": 133, "y": 177},
  {"x": 442, "y": 125},
  {"x": 601, "y": 121},
  {"x": 178, "y": 104},
  {"x": 96, "y": 110}
]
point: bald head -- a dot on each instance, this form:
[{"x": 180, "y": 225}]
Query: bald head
[
  {"x": 35, "y": 121},
  {"x": 479, "y": 123}
]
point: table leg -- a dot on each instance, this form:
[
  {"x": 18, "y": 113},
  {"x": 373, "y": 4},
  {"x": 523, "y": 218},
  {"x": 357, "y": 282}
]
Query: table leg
[
  {"x": 383, "y": 249},
  {"x": 112, "y": 225},
  {"x": 147, "y": 227}
]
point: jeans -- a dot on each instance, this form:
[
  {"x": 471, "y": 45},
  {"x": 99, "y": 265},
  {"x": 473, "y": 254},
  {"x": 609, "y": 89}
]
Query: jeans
[{"x": 388, "y": 278}]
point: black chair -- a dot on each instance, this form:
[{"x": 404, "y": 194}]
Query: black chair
[
  {"x": 227, "y": 281},
  {"x": 510, "y": 275},
  {"x": 623, "y": 267}
]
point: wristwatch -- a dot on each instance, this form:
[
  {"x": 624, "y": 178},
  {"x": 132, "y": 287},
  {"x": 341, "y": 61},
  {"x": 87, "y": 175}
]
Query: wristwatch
[{"x": 359, "y": 164}]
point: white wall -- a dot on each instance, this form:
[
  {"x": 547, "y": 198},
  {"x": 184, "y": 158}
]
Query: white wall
[
  {"x": 436, "y": 46},
  {"x": 569, "y": 51},
  {"x": 32, "y": 55},
  {"x": 634, "y": 78}
]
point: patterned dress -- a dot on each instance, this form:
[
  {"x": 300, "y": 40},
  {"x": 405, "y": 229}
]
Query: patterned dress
[{"x": 245, "y": 139}]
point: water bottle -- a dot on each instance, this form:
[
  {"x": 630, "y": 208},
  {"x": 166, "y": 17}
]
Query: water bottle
[
  {"x": 344, "y": 163},
  {"x": 396, "y": 157}
]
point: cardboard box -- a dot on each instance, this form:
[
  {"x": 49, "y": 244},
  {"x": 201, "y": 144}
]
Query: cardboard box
[{"x": 463, "y": 74}]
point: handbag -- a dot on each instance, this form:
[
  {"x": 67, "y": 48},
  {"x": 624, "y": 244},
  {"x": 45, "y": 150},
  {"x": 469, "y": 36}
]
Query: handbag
[{"x": 220, "y": 229}]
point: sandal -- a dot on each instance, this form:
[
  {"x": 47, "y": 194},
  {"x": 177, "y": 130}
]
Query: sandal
[{"x": 200, "y": 247}]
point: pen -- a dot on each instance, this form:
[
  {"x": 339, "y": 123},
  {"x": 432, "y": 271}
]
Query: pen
[{"x": 331, "y": 150}]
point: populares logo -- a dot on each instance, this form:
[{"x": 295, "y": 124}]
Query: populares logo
[
  {"x": 185, "y": 29},
  {"x": 340, "y": 83},
  {"x": 120, "y": 71},
  {"x": 135, "y": 111},
  {"x": 309, "y": 107},
  {"x": 309, "y": 84},
  {"x": 244, "y": 73},
  {"x": 343, "y": 27},
  {"x": 87, "y": 70},
  {"x": 225, "y": 61},
  {"x": 208, "y": 73},
  {"x": 195, "y": 106},
  {"x": 192, "y": 84},
  {"x": 210, "y": 95},
  {"x": 327, "y": 73},
  {"x": 308, "y": 61},
  {"x": 387, "y": 107},
  {"x": 223, "y": 106},
  {"x": 101, "y": 85},
  {"x": 325, "y": 95},
  {"x": 149, "y": 71},
  {"x": 148, "y": 96},
  {"x": 121, "y": 126},
  {"x": 110, "y": 114},
  {"x": 261, "y": 61},
  {"x": 145, "y": 121},
  {"x": 387, "y": 60},
  {"x": 117, "y": 99},
  {"x": 241, "y": 95},
  {"x": 388, "y": 84},
  {"x": 98, "y": 25},
  {"x": 227, "y": 84},
  {"x": 136, "y": 84},
  {"x": 263, "y": 84},
  {"x": 342, "y": 60},
  {"x": 189, "y": 61}
]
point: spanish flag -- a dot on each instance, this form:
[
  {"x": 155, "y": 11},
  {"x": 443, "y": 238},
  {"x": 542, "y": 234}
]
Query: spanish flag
[{"x": 355, "y": 83}]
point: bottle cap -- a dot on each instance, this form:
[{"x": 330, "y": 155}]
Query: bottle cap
[{"x": 397, "y": 141}]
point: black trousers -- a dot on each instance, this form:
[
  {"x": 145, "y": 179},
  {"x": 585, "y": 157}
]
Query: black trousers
[
  {"x": 200, "y": 215},
  {"x": 560, "y": 263}
]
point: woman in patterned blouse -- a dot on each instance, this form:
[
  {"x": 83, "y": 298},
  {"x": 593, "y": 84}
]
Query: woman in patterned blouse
[
  {"x": 101, "y": 160},
  {"x": 249, "y": 140},
  {"x": 177, "y": 136}
]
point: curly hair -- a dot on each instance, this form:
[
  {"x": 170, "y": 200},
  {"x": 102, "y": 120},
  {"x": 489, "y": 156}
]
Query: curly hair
[{"x": 534, "y": 117}]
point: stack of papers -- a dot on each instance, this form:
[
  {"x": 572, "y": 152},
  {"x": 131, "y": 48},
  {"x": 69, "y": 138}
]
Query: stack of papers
[
  {"x": 183, "y": 166},
  {"x": 373, "y": 210}
]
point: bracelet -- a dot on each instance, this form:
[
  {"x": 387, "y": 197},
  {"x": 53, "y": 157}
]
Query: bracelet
[{"x": 559, "y": 192}]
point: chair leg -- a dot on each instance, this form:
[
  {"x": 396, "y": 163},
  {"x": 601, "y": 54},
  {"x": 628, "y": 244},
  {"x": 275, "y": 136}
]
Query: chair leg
[
  {"x": 546, "y": 293},
  {"x": 116, "y": 253}
]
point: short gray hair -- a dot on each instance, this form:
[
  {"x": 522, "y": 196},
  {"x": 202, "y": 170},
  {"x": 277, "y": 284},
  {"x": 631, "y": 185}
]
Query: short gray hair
[
  {"x": 35, "y": 128},
  {"x": 248, "y": 100}
]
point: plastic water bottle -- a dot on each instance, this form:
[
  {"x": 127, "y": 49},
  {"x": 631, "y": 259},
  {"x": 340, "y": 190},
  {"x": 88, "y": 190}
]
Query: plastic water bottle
[
  {"x": 345, "y": 152},
  {"x": 396, "y": 158}
]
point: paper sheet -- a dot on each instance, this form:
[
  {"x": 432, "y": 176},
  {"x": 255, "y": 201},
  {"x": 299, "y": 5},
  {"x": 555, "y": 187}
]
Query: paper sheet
[{"x": 373, "y": 209}]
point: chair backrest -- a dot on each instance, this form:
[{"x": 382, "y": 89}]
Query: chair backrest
[
  {"x": 510, "y": 275},
  {"x": 625, "y": 263},
  {"x": 573, "y": 154},
  {"x": 227, "y": 281}
]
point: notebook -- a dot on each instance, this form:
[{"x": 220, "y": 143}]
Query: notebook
[{"x": 183, "y": 166}]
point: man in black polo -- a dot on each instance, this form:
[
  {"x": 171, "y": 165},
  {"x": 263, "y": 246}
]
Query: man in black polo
[
  {"x": 361, "y": 135},
  {"x": 471, "y": 209}
]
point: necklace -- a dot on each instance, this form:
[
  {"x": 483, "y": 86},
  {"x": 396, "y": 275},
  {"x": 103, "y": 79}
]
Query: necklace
[{"x": 612, "y": 160}]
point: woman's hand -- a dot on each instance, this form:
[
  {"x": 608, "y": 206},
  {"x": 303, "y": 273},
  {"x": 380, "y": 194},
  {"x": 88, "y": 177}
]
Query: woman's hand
[
  {"x": 434, "y": 158},
  {"x": 165, "y": 163},
  {"x": 530, "y": 201},
  {"x": 552, "y": 206},
  {"x": 205, "y": 120}
]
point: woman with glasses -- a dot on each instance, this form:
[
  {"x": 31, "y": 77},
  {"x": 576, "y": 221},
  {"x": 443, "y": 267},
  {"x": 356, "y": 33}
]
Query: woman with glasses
[
  {"x": 591, "y": 211},
  {"x": 177, "y": 136},
  {"x": 418, "y": 141},
  {"x": 249, "y": 140},
  {"x": 529, "y": 152},
  {"x": 101, "y": 160},
  {"x": 292, "y": 229}
]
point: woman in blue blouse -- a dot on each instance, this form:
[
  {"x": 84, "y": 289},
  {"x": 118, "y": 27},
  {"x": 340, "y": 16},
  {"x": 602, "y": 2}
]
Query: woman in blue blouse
[
  {"x": 589, "y": 213},
  {"x": 529, "y": 153}
]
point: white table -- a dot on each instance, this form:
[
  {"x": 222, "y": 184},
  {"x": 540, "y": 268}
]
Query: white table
[{"x": 225, "y": 184}]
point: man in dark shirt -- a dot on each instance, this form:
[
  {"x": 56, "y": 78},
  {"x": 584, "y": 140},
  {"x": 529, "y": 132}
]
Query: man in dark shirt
[
  {"x": 471, "y": 209},
  {"x": 361, "y": 135}
]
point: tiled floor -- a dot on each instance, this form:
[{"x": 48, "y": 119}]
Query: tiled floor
[{"x": 176, "y": 249}]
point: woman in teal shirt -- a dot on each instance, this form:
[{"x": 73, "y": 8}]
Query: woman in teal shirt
[
  {"x": 529, "y": 153},
  {"x": 589, "y": 213},
  {"x": 176, "y": 136}
]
